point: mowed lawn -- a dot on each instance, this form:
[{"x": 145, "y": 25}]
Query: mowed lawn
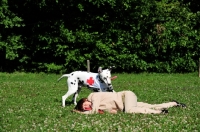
[{"x": 32, "y": 102}]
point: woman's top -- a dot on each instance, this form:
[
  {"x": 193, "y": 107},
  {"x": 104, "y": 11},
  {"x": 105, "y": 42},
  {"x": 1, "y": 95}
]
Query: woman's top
[{"x": 106, "y": 101}]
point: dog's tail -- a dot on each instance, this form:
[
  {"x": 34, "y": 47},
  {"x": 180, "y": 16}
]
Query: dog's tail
[{"x": 65, "y": 75}]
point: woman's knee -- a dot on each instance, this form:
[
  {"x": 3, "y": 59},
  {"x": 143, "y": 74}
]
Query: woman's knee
[
  {"x": 130, "y": 93},
  {"x": 130, "y": 98}
]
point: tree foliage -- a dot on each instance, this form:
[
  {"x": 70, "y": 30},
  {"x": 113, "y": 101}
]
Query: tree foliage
[{"x": 136, "y": 36}]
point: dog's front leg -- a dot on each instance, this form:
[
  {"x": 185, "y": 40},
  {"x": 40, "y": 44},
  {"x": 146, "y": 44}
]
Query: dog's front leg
[{"x": 110, "y": 89}]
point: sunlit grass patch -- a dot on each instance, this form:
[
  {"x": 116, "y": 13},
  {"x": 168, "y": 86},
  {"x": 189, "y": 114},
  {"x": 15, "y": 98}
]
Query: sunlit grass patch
[{"x": 32, "y": 102}]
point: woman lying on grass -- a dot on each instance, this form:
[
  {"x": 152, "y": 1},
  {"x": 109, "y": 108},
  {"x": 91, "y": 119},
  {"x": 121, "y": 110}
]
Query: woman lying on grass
[{"x": 126, "y": 101}]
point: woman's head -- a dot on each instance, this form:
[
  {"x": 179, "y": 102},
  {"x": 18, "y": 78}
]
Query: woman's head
[{"x": 83, "y": 105}]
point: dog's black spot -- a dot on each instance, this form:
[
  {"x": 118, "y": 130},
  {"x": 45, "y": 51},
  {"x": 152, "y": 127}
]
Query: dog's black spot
[
  {"x": 80, "y": 82},
  {"x": 78, "y": 78},
  {"x": 96, "y": 90},
  {"x": 72, "y": 83},
  {"x": 74, "y": 80},
  {"x": 72, "y": 74},
  {"x": 100, "y": 80}
]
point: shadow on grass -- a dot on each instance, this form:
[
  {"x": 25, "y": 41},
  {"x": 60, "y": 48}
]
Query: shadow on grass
[{"x": 67, "y": 103}]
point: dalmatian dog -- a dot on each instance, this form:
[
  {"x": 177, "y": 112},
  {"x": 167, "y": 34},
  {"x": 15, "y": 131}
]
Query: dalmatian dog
[{"x": 97, "y": 82}]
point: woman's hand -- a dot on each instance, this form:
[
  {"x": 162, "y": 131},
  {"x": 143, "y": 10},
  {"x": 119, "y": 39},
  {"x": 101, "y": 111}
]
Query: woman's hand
[
  {"x": 100, "y": 111},
  {"x": 113, "y": 111}
]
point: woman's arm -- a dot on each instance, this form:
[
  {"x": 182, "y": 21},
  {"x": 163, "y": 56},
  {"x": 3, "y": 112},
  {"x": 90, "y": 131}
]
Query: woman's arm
[{"x": 95, "y": 99}]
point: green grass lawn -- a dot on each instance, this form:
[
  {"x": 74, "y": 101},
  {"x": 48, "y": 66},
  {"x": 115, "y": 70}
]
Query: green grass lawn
[{"x": 32, "y": 102}]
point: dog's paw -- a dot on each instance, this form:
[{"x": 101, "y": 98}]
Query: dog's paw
[{"x": 63, "y": 102}]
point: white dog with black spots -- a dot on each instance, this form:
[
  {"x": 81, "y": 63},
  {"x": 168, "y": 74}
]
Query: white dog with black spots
[{"x": 97, "y": 82}]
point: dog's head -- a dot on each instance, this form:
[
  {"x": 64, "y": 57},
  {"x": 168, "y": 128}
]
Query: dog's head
[{"x": 105, "y": 76}]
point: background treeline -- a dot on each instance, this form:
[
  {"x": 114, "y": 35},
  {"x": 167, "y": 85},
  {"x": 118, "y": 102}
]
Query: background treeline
[{"x": 134, "y": 35}]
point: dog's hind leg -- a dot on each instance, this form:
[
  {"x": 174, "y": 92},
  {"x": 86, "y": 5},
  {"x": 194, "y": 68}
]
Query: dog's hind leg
[
  {"x": 72, "y": 88},
  {"x": 64, "y": 97},
  {"x": 76, "y": 95}
]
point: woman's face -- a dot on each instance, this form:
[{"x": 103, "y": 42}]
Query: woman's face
[{"x": 87, "y": 105}]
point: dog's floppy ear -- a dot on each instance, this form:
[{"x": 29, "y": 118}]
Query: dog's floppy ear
[
  {"x": 100, "y": 70},
  {"x": 111, "y": 67}
]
